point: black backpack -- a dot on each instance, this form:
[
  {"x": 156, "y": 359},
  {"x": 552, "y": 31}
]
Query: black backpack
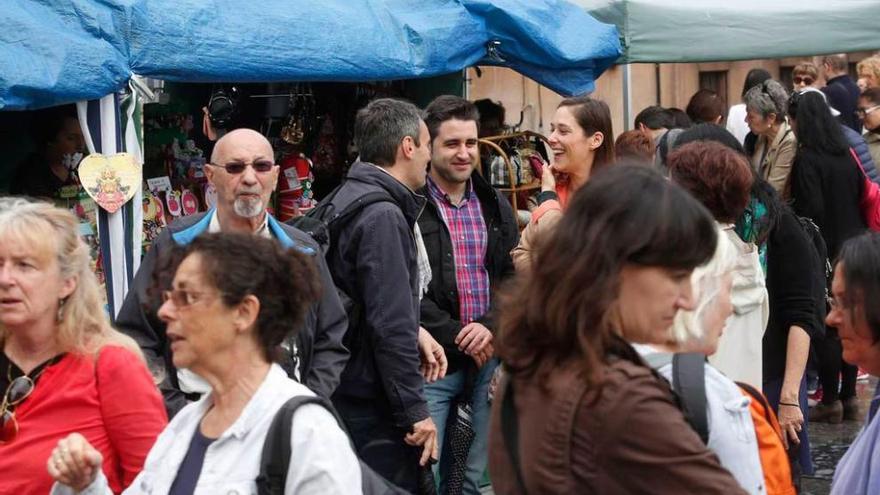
[
  {"x": 276, "y": 455},
  {"x": 323, "y": 223}
]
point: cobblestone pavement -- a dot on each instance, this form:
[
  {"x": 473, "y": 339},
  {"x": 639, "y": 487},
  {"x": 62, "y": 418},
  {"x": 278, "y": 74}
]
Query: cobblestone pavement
[{"x": 829, "y": 443}]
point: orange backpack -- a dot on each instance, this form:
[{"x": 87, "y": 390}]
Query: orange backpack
[{"x": 774, "y": 458}]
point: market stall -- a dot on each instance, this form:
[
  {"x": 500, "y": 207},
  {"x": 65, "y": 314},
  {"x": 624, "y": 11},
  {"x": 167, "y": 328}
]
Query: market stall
[{"x": 88, "y": 51}]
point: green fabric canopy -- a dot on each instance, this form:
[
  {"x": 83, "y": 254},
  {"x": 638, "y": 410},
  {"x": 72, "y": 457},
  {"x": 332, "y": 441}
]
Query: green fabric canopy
[{"x": 716, "y": 30}]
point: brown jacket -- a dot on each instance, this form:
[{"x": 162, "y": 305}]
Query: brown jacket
[{"x": 633, "y": 439}]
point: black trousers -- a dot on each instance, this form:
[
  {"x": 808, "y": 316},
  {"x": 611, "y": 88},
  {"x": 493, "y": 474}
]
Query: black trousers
[
  {"x": 834, "y": 372},
  {"x": 379, "y": 442}
]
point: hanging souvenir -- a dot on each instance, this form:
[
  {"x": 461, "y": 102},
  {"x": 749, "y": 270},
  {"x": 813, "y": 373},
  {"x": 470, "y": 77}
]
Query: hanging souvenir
[
  {"x": 189, "y": 202},
  {"x": 210, "y": 196},
  {"x": 110, "y": 180},
  {"x": 172, "y": 199}
]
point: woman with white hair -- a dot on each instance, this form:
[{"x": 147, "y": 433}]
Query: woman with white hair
[
  {"x": 62, "y": 367},
  {"x": 698, "y": 331}
]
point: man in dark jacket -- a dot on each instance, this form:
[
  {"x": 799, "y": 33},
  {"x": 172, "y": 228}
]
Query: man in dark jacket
[
  {"x": 375, "y": 261},
  {"x": 244, "y": 173},
  {"x": 469, "y": 230},
  {"x": 842, "y": 91}
]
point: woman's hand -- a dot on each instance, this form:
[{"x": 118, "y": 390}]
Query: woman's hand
[
  {"x": 548, "y": 178},
  {"x": 791, "y": 420},
  {"x": 74, "y": 462}
]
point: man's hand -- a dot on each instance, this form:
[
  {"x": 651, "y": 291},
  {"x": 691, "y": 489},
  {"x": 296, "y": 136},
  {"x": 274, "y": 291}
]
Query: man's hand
[
  {"x": 74, "y": 462},
  {"x": 424, "y": 433},
  {"x": 482, "y": 357},
  {"x": 473, "y": 338},
  {"x": 432, "y": 356}
]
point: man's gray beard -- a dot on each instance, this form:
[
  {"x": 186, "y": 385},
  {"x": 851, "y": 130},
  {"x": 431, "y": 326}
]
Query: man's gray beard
[{"x": 248, "y": 208}]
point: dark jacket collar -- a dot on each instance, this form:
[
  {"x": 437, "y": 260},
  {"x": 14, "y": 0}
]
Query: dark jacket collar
[{"x": 411, "y": 203}]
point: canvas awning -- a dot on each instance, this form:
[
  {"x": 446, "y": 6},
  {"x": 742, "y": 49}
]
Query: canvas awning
[
  {"x": 60, "y": 52},
  {"x": 717, "y": 30}
]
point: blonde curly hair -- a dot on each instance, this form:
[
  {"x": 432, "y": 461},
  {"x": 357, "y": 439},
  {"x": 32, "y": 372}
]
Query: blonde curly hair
[
  {"x": 869, "y": 69},
  {"x": 82, "y": 325}
]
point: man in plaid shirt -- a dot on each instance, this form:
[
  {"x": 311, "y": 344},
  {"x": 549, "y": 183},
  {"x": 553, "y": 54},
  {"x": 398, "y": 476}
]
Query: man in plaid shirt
[{"x": 468, "y": 230}]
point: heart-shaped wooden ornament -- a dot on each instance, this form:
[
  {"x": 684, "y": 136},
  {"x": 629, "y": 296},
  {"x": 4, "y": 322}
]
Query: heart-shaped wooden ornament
[{"x": 110, "y": 180}]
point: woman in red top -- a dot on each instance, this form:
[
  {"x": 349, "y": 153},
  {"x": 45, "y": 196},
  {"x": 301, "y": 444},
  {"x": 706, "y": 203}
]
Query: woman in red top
[
  {"x": 582, "y": 142},
  {"x": 63, "y": 368}
]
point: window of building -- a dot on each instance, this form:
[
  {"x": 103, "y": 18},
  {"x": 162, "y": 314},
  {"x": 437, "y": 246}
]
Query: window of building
[{"x": 716, "y": 80}]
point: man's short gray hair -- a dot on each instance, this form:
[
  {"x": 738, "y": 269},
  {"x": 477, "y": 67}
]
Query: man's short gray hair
[
  {"x": 766, "y": 98},
  {"x": 380, "y": 127}
]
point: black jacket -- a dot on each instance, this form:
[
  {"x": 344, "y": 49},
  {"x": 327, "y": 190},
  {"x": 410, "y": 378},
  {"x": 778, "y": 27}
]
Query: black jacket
[
  {"x": 843, "y": 94},
  {"x": 374, "y": 262},
  {"x": 827, "y": 189},
  {"x": 321, "y": 354},
  {"x": 796, "y": 287},
  {"x": 440, "y": 308}
]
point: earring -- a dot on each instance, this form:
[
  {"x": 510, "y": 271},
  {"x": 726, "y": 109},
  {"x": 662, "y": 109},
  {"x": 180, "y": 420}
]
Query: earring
[{"x": 60, "y": 315}]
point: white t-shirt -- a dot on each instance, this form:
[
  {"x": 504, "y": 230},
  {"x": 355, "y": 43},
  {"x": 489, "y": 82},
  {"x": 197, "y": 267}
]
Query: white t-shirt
[
  {"x": 736, "y": 122},
  {"x": 323, "y": 461}
]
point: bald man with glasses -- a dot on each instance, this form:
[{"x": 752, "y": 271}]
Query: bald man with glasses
[{"x": 244, "y": 174}]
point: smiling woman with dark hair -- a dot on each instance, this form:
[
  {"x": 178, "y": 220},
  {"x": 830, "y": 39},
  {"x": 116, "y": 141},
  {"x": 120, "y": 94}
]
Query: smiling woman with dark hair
[
  {"x": 616, "y": 270},
  {"x": 582, "y": 144}
]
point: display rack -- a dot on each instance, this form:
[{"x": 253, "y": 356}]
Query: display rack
[{"x": 493, "y": 143}]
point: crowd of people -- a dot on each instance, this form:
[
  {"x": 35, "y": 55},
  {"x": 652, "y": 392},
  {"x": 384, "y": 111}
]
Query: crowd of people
[{"x": 653, "y": 329}]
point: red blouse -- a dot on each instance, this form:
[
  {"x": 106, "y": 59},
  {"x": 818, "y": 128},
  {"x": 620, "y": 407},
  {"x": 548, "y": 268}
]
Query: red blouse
[{"x": 112, "y": 402}]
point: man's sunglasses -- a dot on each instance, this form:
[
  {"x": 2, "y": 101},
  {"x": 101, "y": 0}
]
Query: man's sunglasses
[
  {"x": 806, "y": 80},
  {"x": 236, "y": 168},
  {"x": 17, "y": 391}
]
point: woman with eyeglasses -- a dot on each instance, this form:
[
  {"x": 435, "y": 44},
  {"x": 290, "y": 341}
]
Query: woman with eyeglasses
[
  {"x": 856, "y": 316},
  {"x": 233, "y": 301},
  {"x": 771, "y": 144},
  {"x": 63, "y": 369},
  {"x": 826, "y": 187}
]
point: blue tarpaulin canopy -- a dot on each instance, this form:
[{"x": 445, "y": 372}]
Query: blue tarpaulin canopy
[{"x": 59, "y": 52}]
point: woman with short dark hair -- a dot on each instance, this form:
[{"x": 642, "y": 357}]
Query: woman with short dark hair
[
  {"x": 705, "y": 107},
  {"x": 856, "y": 316},
  {"x": 721, "y": 179},
  {"x": 795, "y": 277},
  {"x": 616, "y": 270},
  {"x": 233, "y": 300}
]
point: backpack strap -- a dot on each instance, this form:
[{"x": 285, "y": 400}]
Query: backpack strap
[
  {"x": 510, "y": 433},
  {"x": 758, "y": 396},
  {"x": 689, "y": 382},
  {"x": 275, "y": 458}
]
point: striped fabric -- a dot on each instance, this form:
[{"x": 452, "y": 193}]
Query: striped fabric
[{"x": 111, "y": 125}]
